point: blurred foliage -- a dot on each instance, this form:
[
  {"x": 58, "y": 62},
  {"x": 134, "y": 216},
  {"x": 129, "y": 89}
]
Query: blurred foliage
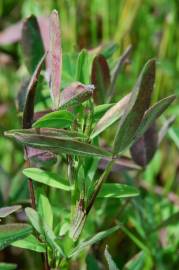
[{"x": 151, "y": 28}]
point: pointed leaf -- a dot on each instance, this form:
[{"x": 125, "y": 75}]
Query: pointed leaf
[
  {"x": 75, "y": 94},
  {"x": 47, "y": 178},
  {"x": 55, "y": 56},
  {"x": 12, "y": 232},
  {"x": 30, "y": 98},
  {"x": 138, "y": 104},
  {"x": 117, "y": 69},
  {"x": 152, "y": 114},
  {"x": 121, "y": 163},
  {"x": 58, "y": 119},
  {"x": 32, "y": 44},
  {"x": 144, "y": 148},
  {"x": 96, "y": 238},
  {"x": 30, "y": 243},
  {"x": 111, "y": 116},
  {"x": 6, "y": 211},
  {"x": 100, "y": 110},
  {"x": 163, "y": 131},
  {"x": 117, "y": 191},
  {"x": 100, "y": 77},
  {"x": 111, "y": 263},
  {"x": 82, "y": 62},
  {"x": 56, "y": 144}
]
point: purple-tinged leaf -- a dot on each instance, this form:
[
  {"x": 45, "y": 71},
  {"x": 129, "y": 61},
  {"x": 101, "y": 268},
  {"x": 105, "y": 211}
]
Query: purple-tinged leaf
[
  {"x": 138, "y": 104},
  {"x": 120, "y": 164},
  {"x": 100, "y": 77},
  {"x": 117, "y": 69},
  {"x": 32, "y": 44},
  {"x": 144, "y": 148},
  {"x": 6, "y": 211},
  {"x": 75, "y": 94},
  {"x": 40, "y": 158},
  {"x": 55, "y": 56},
  {"x": 29, "y": 104},
  {"x": 57, "y": 144},
  {"x": 11, "y": 34},
  {"x": 111, "y": 116}
]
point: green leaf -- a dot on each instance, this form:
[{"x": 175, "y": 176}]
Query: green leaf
[
  {"x": 30, "y": 243},
  {"x": 34, "y": 219},
  {"x": 32, "y": 44},
  {"x": 47, "y": 178},
  {"x": 100, "y": 110},
  {"x": 6, "y": 211},
  {"x": 8, "y": 266},
  {"x": 111, "y": 263},
  {"x": 152, "y": 114},
  {"x": 81, "y": 63},
  {"x": 117, "y": 191},
  {"x": 138, "y": 104},
  {"x": 137, "y": 262},
  {"x": 96, "y": 238},
  {"x": 45, "y": 210},
  {"x": 111, "y": 116},
  {"x": 55, "y": 58},
  {"x": 12, "y": 232},
  {"x": 59, "y": 119},
  {"x": 56, "y": 144}
]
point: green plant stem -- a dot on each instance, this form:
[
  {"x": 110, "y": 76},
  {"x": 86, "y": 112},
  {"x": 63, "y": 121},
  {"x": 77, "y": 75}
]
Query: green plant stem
[{"x": 82, "y": 213}]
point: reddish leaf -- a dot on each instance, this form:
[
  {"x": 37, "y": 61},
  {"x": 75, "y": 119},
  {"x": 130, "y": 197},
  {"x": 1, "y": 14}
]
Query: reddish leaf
[
  {"x": 55, "y": 56},
  {"x": 11, "y": 34},
  {"x": 32, "y": 44},
  {"x": 144, "y": 149},
  {"x": 29, "y": 104},
  {"x": 100, "y": 77},
  {"x": 75, "y": 94}
]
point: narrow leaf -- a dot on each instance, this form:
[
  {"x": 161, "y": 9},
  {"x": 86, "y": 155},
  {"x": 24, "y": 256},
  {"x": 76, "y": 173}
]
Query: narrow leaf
[
  {"x": 12, "y": 232},
  {"x": 32, "y": 44},
  {"x": 100, "y": 77},
  {"x": 6, "y": 211},
  {"x": 138, "y": 104},
  {"x": 98, "y": 237},
  {"x": 111, "y": 263},
  {"x": 152, "y": 114},
  {"x": 163, "y": 131},
  {"x": 121, "y": 163},
  {"x": 117, "y": 69},
  {"x": 47, "y": 178},
  {"x": 58, "y": 119},
  {"x": 111, "y": 116},
  {"x": 55, "y": 56},
  {"x": 117, "y": 191},
  {"x": 56, "y": 144},
  {"x": 30, "y": 98},
  {"x": 30, "y": 243}
]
